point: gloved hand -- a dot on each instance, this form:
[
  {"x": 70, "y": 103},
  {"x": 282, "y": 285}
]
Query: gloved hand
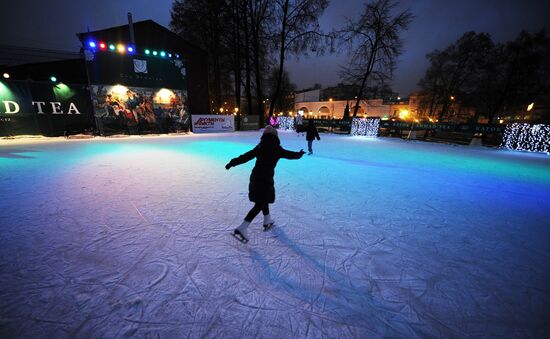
[
  {"x": 318, "y": 138},
  {"x": 228, "y": 166},
  {"x": 302, "y": 152}
]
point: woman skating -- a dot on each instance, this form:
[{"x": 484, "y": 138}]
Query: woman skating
[{"x": 261, "y": 189}]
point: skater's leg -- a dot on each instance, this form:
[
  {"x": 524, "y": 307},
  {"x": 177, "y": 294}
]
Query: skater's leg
[
  {"x": 268, "y": 222},
  {"x": 241, "y": 230},
  {"x": 309, "y": 146},
  {"x": 253, "y": 212}
]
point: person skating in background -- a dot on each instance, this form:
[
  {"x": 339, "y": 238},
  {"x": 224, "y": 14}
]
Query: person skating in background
[
  {"x": 261, "y": 189},
  {"x": 311, "y": 134},
  {"x": 299, "y": 123}
]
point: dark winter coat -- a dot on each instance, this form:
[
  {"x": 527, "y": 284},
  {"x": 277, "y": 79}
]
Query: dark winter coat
[
  {"x": 267, "y": 153},
  {"x": 311, "y": 133}
]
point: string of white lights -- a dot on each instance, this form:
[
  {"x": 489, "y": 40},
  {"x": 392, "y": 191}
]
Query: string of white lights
[
  {"x": 365, "y": 126},
  {"x": 286, "y": 123},
  {"x": 527, "y": 137}
]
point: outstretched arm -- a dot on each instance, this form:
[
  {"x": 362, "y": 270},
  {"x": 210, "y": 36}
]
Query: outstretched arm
[
  {"x": 291, "y": 155},
  {"x": 241, "y": 159}
]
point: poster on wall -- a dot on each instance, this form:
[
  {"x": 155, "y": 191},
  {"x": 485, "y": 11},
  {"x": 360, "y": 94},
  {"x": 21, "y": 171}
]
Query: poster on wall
[
  {"x": 213, "y": 123},
  {"x": 138, "y": 71},
  {"x": 137, "y": 110},
  {"x": 250, "y": 122},
  {"x": 33, "y": 108}
]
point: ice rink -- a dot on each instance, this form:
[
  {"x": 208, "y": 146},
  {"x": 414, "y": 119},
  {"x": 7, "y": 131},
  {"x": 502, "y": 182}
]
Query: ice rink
[{"x": 374, "y": 238}]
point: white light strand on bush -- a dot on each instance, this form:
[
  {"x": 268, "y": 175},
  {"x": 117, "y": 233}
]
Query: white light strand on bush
[
  {"x": 365, "y": 127},
  {"x": 286, "y": 123},
  {"x": 527, "y": 137}
]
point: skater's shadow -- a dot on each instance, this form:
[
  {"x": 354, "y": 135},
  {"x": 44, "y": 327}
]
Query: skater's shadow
[
  {"x": 353, "y": 306},
  {"x": 15, "y": 154},
  {"x": 332, "y": 274}
]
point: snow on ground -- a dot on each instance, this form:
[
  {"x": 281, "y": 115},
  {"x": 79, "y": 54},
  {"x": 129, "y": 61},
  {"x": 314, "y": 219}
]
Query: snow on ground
[{"x": 374, "y": 238}]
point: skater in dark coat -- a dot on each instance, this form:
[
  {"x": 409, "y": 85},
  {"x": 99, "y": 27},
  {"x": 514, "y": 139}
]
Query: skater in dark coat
[
  {"x": 261, "y": 190},
  {"x": 311, "y": 134}
]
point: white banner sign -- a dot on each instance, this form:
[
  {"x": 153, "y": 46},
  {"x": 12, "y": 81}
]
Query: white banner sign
[{"x": 213, "y": 123}]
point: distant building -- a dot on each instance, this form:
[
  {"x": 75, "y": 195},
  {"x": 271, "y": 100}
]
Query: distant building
[
  {"x": 335, "y": 109},
  {"x": 308, "y": 95}
]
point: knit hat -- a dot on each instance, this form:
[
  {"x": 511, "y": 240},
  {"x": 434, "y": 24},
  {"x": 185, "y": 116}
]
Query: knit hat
[{"x": 270, "y": 130}]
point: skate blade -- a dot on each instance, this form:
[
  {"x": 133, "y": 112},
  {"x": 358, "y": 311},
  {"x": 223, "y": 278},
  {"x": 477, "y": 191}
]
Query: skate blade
[
  {"x": 268, "y": 227},
  {"x": 239, "y": 237}
]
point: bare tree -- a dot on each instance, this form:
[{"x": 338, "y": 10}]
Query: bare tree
[
  {"x": 283, "y": 103},
  {"x": 298, "y": 31},
  {"x": 201, "y": 22},
  {"x": 432, "y": 84},
  {"x": 260, "y": 14},
  {"x": 374, "y": 42},
  {"x": 492, "y": 78}
]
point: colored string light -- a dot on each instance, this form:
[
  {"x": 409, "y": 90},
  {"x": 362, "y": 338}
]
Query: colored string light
[
  {"x": 286, "y": 123},
  {"x": 527, "y": 137},
  {"x": 122, "y": 48},
  {"x": 366, "y": 126}
]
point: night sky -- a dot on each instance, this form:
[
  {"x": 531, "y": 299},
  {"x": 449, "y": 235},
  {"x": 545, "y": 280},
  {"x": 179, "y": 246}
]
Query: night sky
[{"x": 53, "y": 24}]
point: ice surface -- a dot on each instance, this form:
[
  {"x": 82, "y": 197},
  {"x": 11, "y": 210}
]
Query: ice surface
[{"x": 374, "y": 238}]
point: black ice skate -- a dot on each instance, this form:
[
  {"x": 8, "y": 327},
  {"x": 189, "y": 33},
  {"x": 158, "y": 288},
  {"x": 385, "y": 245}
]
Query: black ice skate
[{"x": 239, "y": 236}]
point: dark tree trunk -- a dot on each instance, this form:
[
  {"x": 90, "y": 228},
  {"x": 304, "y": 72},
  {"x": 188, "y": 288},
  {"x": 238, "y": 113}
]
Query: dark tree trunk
[
  {"x": 237, "y": 56},
  {"x": 247, "y": 86},
  {"x": 259, "y": 94},
  {"x": 277, "y": 91},
  {"x": 370, "y": 65},
  {"x": 257, "y": 54}
]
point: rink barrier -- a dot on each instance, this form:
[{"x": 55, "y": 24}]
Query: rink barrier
[
  {"x": 527, "y": 137},
  {"x": 323, "y": 125},
  {"x": 359, "y": 126}
]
